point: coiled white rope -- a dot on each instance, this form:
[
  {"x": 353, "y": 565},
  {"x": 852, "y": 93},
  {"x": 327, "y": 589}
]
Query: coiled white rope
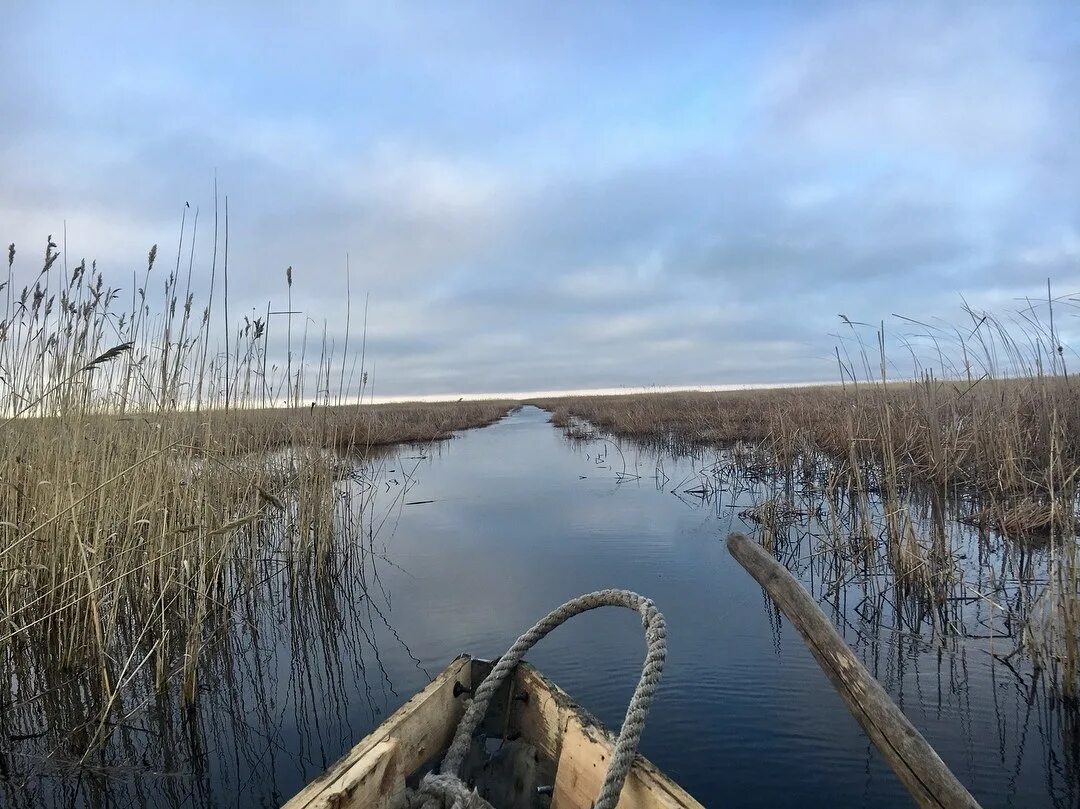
[{"x": 446, "y": 790}]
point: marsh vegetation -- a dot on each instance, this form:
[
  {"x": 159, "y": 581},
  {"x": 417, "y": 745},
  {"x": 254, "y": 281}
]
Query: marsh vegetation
[
  {"x": 166, "y": 503},
  {"x": 931, "y": 485},
  {"x": 195, "y": 537}
]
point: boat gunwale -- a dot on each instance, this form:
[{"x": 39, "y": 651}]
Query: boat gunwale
[{"x": 577, "y": 744}]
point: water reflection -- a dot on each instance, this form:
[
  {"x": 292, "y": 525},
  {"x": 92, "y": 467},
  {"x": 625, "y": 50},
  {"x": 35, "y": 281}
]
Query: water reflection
[
  {"x": 291, "y": 674},
  {"x": 939, "y": 620},
  {"x": 458, "y": 547}
]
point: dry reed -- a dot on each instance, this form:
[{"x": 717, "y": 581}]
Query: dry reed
[
  {"x": 991, "y": 425},
  {"x": 146, "y": 476}
]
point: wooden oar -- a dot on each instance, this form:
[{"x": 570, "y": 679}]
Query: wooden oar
[{"x": 911, "y": 757}]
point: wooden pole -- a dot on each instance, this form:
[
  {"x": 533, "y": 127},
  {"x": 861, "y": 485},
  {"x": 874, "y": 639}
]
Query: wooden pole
[{"x": 911, "y": 757}]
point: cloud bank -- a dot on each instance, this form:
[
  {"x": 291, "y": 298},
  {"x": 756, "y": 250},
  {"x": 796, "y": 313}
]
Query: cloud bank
[{"x": 546, "y": 196}]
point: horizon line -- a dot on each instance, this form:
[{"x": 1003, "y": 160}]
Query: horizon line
[{"x": 622, "y": 390}]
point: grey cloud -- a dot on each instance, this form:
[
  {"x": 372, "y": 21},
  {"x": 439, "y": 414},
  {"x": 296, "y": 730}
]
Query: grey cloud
[
  {"x": 531, "y": 205},
  {"x": 967, "y": 79}
]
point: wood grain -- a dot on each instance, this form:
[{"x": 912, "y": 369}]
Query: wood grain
[{"x": 910, "y": 756}]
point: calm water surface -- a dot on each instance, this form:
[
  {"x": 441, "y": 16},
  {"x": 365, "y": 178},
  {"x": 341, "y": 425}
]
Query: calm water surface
[{"x": 485, "y": 534}]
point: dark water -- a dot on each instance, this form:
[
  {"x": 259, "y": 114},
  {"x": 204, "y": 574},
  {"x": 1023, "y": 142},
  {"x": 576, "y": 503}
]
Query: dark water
[{"x": 522, "y": 519}]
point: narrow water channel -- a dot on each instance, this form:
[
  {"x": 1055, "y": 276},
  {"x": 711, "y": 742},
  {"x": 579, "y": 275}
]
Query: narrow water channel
[
  {"x": 522, "y": 519},
  {"x": 488, "y": 532}
]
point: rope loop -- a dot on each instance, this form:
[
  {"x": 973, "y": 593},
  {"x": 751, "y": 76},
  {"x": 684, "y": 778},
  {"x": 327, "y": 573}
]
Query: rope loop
[{"x": 447, "y": 791}]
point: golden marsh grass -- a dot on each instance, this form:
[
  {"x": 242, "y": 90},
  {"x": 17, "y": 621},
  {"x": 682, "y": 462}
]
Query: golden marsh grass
[
  {"x": 988, "y": 436},
  {"x": 146, "y": 480}
]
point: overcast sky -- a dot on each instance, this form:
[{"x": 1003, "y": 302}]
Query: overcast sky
[{"x": 561, "y": 195}]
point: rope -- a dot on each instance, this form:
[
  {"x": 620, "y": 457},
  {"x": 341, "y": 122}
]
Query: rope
[{"x": 445, "y": 790}]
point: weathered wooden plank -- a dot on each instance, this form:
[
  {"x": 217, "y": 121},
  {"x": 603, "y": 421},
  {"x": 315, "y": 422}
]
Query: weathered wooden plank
[
  {"x": 905, "y": 750},
  {"x": 373, "y": 773},
  {"x": 564, "y": 732},
  {"x": 541, "y": 717},
  {"x": 586, "y": 752},
  {"x": 421, "y": 728},
  {"x": 374, "y": 781}
]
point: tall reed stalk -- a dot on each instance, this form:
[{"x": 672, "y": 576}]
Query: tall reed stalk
[
  {"x": 983, "y": 416},
  {"x": 141, "y": 483}
]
